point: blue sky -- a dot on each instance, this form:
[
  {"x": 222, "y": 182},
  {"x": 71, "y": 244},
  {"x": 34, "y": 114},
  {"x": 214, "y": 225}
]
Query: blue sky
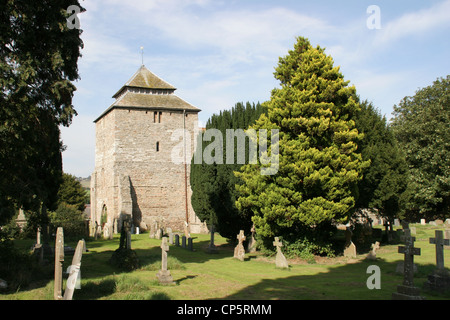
[{"x": 218, "y": 53}]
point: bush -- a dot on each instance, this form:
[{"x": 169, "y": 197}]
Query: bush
[
  {"x": 70, "y": 218},
  {"x": 125, "y": 259},
  {"x": 305, "y": 249},
  {"x": 17, "y": 268}
]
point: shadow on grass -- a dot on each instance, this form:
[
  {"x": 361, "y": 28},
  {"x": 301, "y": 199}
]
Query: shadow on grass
[{"x": 345, "y": 282}]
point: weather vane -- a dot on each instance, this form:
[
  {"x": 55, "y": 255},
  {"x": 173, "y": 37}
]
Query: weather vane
[{"x": 142, "y": 54}]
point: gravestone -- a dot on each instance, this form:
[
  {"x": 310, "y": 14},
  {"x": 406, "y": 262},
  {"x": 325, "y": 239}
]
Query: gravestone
[
  {"x": 164, "y": 275},
  {"x": 447, "y": 236},
  {"x": 177, "y": 239},
  {"x": 187, "y": 231},
  {"x": 38, "y": 250},
  {"x": 439, "y": 280},
  {"x": 423, "y": 222},
  {"x": 413, "y": 230},
  {"x": 372, "y": 255},
  {"x": 280, "y": 259},
  {"x": 212, "y": 247},
  {"x": 396, "y": 223},
  {"x": 74, "y": 271},
  {"x": 170, "y": 234},
  {"x": 350, "y": 248},
  {"x": 407, "y": 290},
  {"x": 190, "y": 244},
  {"x": 251, "y": 247},
  {"x": 59, "y": 259},
  {"x": 183, "y": 242},
  {"x": 239, "y": 251}
]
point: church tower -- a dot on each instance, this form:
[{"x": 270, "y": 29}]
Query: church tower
[{"x": 140, "y": 173}]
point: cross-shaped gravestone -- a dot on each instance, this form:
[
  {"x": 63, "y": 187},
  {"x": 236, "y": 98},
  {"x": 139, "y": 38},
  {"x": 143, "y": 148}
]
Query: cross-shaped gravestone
[
  {"x": 409, "y": 251},
  {"x": 164, "y": 275},
  {"x": 280, "y": 260},
  {"x": 59, "y": 259},
  {"x": 407, "y": 291},
  {"x": 439, "y": 241},
  {"x": 239, "y": 251}
]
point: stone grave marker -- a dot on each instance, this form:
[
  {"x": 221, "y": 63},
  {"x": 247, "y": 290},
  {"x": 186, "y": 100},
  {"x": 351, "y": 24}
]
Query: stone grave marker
[
  {"x": 447, "y": 236},
  {"x": 239, "y": 251},
  {"x": 252, "y": 242},
  {"x": 407, "y": 291},
  {"x": 170, "y": 234},
  {"x": 74, "y": 271},
  {"x": 439, "y": 280},
  {"x": 59, "y": 259},
  {"x": 280, "y": 259},
  {"x": 177, "y": 239},
  {"x": 183, "y": 242},
  {"x": 350, "y": 248},
  {"x": 164, "y": 275},
  {"x": 190, "y": 244},
  {"x": 372, "y": 255},
  {"x": 212, "y": 247},
  {"x": 423, "y": 222}
]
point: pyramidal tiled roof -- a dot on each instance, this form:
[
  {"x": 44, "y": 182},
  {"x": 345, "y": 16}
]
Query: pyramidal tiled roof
[
  {"x": 144, "y": 78},
  {"x": 145, "y": 90}
]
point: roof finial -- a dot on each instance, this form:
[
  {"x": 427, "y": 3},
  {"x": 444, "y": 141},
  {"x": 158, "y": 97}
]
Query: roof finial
[{"x": 142, "y": 54}]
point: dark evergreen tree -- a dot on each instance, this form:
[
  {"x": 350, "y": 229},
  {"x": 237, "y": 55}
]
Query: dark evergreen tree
[
  {"x": 384, "y": 181},
  {"x": 213, "y": 185}
]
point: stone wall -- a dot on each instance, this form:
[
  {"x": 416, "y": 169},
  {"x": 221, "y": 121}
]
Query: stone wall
[{"x": 130, "y": 143}]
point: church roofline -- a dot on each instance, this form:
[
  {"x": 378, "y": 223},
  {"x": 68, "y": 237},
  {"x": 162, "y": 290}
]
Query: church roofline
[{"x": 144, "y": 78}]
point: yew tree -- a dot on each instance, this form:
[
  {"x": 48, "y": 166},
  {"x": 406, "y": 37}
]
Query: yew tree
[{"x": 319, "y": 164}]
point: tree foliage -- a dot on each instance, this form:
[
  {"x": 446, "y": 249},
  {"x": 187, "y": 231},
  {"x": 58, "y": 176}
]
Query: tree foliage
[
  {"x": 319, "y": 166},
  {"x": 71, "y": 192},
  {"x": 384, "y": 181},
  {"x": 421, "y": 125},
  {"x": 38, "y": 62},
  {"x": 213, "y": 185}
]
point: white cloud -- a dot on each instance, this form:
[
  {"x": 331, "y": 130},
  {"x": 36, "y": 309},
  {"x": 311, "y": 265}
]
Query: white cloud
[{"x": 415, "y": 23}]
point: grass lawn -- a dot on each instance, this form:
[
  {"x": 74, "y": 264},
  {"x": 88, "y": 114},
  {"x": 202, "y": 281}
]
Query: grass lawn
[{"x": 200, "y": 276}]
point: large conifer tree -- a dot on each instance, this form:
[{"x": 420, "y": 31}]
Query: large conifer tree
[{"x": 319, "y": 166}]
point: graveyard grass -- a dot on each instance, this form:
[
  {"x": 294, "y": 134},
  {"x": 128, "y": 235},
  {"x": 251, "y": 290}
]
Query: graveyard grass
[{"x": 199, "y": 275}]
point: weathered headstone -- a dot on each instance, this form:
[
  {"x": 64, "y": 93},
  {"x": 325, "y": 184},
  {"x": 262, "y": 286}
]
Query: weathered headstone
[
  {"x": 239, "y": 251},
  {"x": 59, "y": 259},
  {"x": 423, "y": 222},
  {"x": 177, "y": 239},
  {"x": 164, "y": 275},
  {"x": 413, "y": 230},
  {"x": 187, "y": 231},
  {"x": 407, "y": 291},
  {"x": 170, "y": 234},
  {"x": 447, "y": 236},
  {"x": 280, "y": 259},
  {"x": 183, "y": 242},
  {"x": 372, "y": 255},
  {"x": 212, "y": 247},
  {"x": 190, "y": 244},
  {"x": 252, "y": 242},
  {"x": 439, "y": 280},
  {"x": 74, "y": 271},
  {"x": 396, "y": 223},
  {"x": 350, "y": 248}
]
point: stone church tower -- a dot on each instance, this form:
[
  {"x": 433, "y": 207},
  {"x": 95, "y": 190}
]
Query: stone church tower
[{"x": 135, "y": 174}]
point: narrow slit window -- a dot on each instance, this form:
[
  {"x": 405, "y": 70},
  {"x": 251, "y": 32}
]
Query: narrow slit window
[
  {"x": 159, "y": 117},
  {"x": 154, "y": 116},
  {"x": 157, "y": 146}
]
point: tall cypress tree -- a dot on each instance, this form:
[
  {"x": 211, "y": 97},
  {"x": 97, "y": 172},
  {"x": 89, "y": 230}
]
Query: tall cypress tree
[{"x": 319, "y": 166}]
